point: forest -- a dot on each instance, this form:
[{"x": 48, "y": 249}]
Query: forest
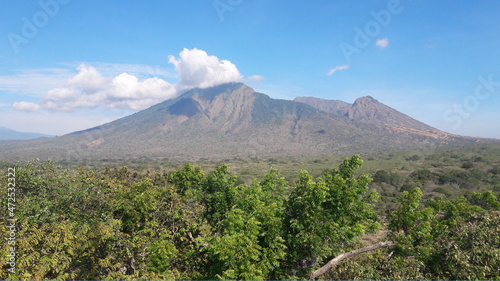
[{"x": 80, "y": 223}]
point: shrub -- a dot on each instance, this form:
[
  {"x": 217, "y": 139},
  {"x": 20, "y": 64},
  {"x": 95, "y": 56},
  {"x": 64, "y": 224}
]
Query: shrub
[{"x": 467, "y": 165}]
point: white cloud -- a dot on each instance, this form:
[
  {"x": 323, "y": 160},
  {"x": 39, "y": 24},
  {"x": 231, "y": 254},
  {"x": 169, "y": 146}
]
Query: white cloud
[
  {"x": 88, "y": 79},
  {"x": 129, "y": 92},
  {"x": 26, "y": 106},
  {"x": 382, "y": 43},
  {"x": 255, "y": 78},
  {"x": 90, "y": 89},
  {"x": 67, "y": 99},
  {"x": 332, "y": 71},
  {"x": 197, "y": 69}
]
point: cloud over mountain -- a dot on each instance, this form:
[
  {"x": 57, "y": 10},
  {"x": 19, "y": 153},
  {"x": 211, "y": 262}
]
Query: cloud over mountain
[
  {"x": 197, "y": 69},
  {"x": 89, "y": 88}
]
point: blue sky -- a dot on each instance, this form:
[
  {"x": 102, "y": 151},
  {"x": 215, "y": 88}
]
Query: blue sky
[{"x": 67, "y": 65}]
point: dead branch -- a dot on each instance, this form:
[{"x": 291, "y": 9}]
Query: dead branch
[{"x": 322, "y": 270}]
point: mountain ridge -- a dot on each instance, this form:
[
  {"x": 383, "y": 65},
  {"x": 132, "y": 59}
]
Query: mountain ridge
[
  {"x": 233, "y": 120},
  {"x": 369, "y": 109},
  {"x": 10, "y": 134}
]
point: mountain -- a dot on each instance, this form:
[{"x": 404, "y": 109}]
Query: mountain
[
  {"x": 9, "y": 134},
  {"x": 369, "y": 110},
  {"x": 233, "y": 120}
]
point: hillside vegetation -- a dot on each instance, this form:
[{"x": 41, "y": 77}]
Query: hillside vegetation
[{"x": 122, "y": 223}]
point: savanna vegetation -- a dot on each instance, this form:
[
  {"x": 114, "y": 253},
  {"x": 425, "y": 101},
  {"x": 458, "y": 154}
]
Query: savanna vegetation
[{"x": 425, "y": 218}]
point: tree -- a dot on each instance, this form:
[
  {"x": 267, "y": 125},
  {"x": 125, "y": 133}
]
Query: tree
[
  {"x": 325, "y": 215},
  {"x": 442, "y": 239},
  {"x": 219, "y": 190},
  {"x": 452, "y": 239},
  {"x": 250, "y": 243},
  {"x": 119, "y": 224}
]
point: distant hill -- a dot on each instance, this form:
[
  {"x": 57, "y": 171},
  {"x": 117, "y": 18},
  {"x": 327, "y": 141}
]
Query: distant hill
[
  {"x": 9, "y": 134},
  {"x": 233, "y": 120}
]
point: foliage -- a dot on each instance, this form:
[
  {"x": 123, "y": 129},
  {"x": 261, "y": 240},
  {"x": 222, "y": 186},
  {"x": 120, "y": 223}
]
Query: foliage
[
  {"x": 116, "y": 223},
  {"x": 440, "y": 240},
  {"x": 326, "y": 214}
]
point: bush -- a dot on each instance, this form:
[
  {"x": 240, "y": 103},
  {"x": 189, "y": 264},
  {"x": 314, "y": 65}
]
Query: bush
[
  {"x": 467, "y": 165},
  {"x": 423, "y": 176},
  {"x": 443, "y": 191},
  {"x": 413, "y": 158},
  {"x": 494, "y": 171},
  {"x": 382, "y": 176}
]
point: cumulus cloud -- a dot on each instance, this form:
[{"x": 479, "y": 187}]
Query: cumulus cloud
[
  {"x": 87, "y": 79},
  {"x": 197, "y": 69},
  {"x": 26, "y": 106},
  {"x": 382, "y": 43},
  {"x": 332, "y": 71},
  {"x": 89, "y": 88}
]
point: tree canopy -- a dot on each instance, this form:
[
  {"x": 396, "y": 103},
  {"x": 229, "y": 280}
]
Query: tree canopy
[{"x": 117, "y": 224}]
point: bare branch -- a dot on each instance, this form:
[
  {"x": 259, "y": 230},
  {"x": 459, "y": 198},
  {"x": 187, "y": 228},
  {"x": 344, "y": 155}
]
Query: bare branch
[{"x": 322, "y": 270}]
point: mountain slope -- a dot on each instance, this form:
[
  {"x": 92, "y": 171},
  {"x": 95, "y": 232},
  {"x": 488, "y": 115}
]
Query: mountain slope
[{"x": 232, "y": 120}]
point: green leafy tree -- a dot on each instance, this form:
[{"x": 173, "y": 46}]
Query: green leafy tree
[
  {"x": 135, "y": 204},
  {"x": 237, "y": 248},
  {"x": 119, "y": 224},
  {"x": 325, "y": 215},
  {"x": 449, "y": 239},
  {"x": 219, "y": 190},
  {"x": 250, "y": 244}
]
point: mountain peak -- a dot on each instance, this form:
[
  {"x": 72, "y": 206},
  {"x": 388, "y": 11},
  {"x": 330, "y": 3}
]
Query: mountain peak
[
  {"x": 367, "y": 109},
  {"x": 365, "y": 100}
]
